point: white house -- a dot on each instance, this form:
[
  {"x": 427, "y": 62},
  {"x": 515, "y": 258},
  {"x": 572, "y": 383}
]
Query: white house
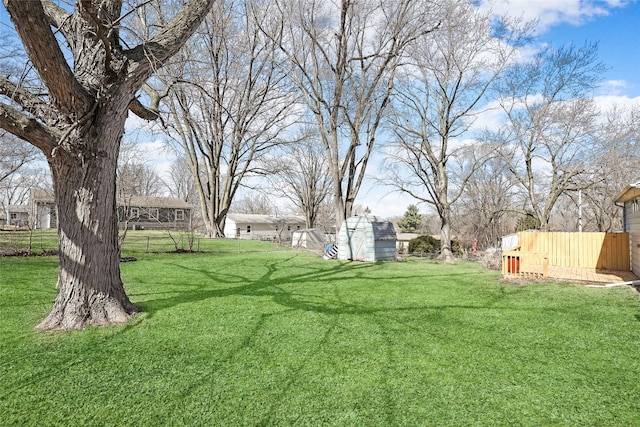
[
  {"x": 403, "y": 239},
  {"x": 262, "y": 227},
  {"x": 15, "y": 215}
]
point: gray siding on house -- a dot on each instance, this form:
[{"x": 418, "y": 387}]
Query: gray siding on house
[{"x": 632, "y": 226}]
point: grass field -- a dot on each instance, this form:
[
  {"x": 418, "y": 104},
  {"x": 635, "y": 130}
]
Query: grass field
[
  {"x": 135, "y": 242},
  {"x": 285, "y": 338}
]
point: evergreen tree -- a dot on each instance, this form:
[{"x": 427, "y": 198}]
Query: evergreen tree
[
  {"x": 411, "y": 222},
  {"x": 528, "y": 222}
]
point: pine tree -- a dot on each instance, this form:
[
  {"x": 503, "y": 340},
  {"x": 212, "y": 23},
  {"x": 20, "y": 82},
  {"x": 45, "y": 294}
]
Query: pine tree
[{"x": 411, "y": 222}]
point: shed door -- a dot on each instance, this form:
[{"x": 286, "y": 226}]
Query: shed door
[{"x": 358, "y": 246}]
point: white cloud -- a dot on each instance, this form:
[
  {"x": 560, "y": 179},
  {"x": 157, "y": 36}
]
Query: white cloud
[
  {"x": 613, "y": 88},
  {"x": 607, "y": 102},
  {"x": 552, "y": 12}
]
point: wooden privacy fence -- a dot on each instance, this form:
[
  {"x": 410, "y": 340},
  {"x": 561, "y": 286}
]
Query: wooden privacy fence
[{"x": 537, "y": 253}]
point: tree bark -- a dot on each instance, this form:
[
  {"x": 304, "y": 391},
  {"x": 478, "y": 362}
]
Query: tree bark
[{"x": 91, "y": 292}]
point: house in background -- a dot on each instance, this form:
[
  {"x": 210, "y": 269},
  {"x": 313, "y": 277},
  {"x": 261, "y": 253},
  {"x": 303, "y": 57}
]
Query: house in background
[
  {"x": 147, "y": 212},
  {"x": 402, "y": 240},
  {"x": 262, "y": 227},
  {"x": 43, "y": 212},
  {"x": 134, "y": 212},
  {"x": 629, "y": 200},
  {"x": 15, "y": 216}
]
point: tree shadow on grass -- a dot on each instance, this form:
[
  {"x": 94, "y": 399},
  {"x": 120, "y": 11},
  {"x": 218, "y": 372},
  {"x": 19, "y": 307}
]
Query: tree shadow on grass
[
  {"x": 265, "y": 285},
  {"x": 219, "y": 285}
]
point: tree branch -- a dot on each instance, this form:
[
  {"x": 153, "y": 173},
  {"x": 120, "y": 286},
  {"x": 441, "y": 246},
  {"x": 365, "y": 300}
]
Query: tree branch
[
  {"x": 56, "y": 15},
  {"x": 30, "y": 102},
  {"x": 29, "y": 129},
  {"x": 33, "y": 27},
  {"x": 141, "y": 111},
  {"x": 153, "y": 53}
]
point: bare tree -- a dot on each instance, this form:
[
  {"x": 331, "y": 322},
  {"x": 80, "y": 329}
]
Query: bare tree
[
  {"x": 88, "y": 69},
  {"x": 301, "y": 175},
  {"x": 617, "y": 142},
  {"x": 228, "y": 104},
  {"x": 14, "y": 154},
  {"x": 253, "y": 203},
  {"x": 444, "y": 87},
  {"x": 486, "y": 207},
  {"x": 343, "y": 56},
  {"x": 180, "y": 181},
  {"x": 135, "y": 177},
  {"x": 548, "y": 139}
]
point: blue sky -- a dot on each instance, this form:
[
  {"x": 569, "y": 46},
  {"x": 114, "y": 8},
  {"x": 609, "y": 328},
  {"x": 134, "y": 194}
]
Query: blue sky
[{"x": 612, "y": 23}]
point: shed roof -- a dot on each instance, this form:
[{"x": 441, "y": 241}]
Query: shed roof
[{"x": 382, "y": 229}]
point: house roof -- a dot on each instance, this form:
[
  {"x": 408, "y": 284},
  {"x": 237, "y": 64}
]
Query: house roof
[
  {"x": 630, "y": 192},
  {"x": 266, "y": 219},
  {"x": 18, "y": 209},
  {"x": 406, "y": 236},
  {"x": 40, "y": 195},
  {"x": 46, "y": 196},
  {"x": 153, "y": 202}
]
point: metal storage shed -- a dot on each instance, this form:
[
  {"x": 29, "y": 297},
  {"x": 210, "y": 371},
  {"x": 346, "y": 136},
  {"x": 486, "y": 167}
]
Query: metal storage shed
[{"x": 365, "y": 238}]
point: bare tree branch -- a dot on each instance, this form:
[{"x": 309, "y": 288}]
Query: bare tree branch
[
  {"x": 29, "y": 129},
  {"x": 32, "y": 25},
  {"x": 154, "y": 52}
]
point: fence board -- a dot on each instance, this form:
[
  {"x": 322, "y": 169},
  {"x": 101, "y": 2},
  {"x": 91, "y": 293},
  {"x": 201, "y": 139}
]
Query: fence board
[{"x": 602, "y": 251}]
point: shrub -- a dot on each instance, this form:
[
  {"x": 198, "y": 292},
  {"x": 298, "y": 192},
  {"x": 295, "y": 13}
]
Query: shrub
[
  {"x": 431, "y": 245},
  {"x": 427, "y": 244}
]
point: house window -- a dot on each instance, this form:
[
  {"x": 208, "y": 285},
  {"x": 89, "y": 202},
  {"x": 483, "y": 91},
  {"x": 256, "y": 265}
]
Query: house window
[
  {"x": 179, "y": 215},
  {"x": 154, "y": 213},
  {"x": 14, "y": 216},
  {"x": 248, "y": 229},
  {"x": 288, "y": 228},
  {"x": 298, "y": 227},
  {"x": 135, "y": 213}
]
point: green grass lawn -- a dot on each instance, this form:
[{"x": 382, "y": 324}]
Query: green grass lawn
[
  {"x": 285, "y": 338},
  {"x": 136, "y": 242}
]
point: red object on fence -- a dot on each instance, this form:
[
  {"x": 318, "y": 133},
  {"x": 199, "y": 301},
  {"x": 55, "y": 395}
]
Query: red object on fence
[{"x": 513, "y": 264}]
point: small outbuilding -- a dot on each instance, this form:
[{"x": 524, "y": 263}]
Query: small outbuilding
[
  {"x": 309, "y": 238},
  {"x": 366, "y": 238},
  {"x": 629, "y": 201}
]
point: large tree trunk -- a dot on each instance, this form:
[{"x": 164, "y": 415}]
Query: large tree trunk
[
  {"x": 90, "y": 288},
  {"x": 446, "y": 254}
]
